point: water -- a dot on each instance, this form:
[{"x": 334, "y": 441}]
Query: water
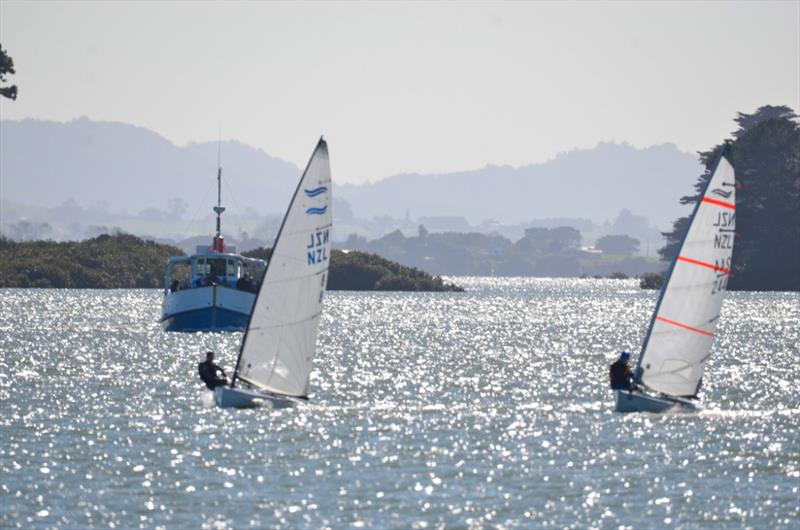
[{"x": 480, "y": 409}]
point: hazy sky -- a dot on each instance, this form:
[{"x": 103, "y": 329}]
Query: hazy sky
[{"x": 407, "y": 87}]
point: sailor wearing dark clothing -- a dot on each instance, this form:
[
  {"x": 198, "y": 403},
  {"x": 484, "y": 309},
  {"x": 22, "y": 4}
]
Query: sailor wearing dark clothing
[
  {"x": 620, "y": 373},
  {"x": 209, "y": 372}
]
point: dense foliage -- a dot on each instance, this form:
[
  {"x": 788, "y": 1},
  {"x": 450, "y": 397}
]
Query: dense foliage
[
  {"x": 652, "y": 280},
  {"x": 620, "y": 244},
  {"x": 765, "y": 153},
  {"x": 7, "y": 67},
  {"x": 126, "y": 261},
  {"x": 543, "y": 252},
  {"x": 361, "y": 271},
  {"x": 106, "y": 261}
]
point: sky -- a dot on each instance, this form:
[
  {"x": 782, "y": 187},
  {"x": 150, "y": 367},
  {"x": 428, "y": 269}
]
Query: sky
[{"x": 407, "y": 87}]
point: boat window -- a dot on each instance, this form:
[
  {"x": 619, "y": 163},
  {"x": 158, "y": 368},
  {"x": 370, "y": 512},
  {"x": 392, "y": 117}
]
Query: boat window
[
  {"x": 217, "y": 267},
  {"x": 232, "y": 272},
  {"x": 200, "y": 267},
  {"x": 179, "y": 276}
]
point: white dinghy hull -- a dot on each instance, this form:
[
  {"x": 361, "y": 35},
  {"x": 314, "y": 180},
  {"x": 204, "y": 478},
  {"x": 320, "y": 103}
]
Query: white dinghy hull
[
  {"x": 240, "y": 398},
  {"x": 633, "y": 401}
]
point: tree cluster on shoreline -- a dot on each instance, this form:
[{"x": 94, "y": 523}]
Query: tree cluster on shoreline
[
  {"x": 362, "y": 271},
  {"x": 124, "y": 261},
  {"x": 116, "y": 261},
  {"x": 541, "y": 252}
]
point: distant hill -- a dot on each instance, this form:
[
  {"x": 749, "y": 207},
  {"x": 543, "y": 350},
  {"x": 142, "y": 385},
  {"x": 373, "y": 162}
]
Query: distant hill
[
  {"x": 121, "y": 168},
  {"x": 590, "y": 183}
]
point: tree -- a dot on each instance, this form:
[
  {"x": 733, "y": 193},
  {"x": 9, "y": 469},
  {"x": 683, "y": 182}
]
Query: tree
[
  {"x": 555, "y": 240},
  {"x": 629, "y": 223},
  {"x": 766, "y": 112},
  {"x": 674, "y": 238},
  {"x": 565, "y": 238},
  {"x": 766, "y": 158},
  {"x": 7, "y": 67},
  {"x": 620, "y": 245},
  {"x": 766, "y": 251}
]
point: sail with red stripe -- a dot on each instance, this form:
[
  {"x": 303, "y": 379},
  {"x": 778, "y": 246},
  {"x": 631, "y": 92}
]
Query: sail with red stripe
[{"x": 678, "y": 345}]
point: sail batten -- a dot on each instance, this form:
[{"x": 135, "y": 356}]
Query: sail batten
[
  {"x": 683, "y": 326},
  {"x": 278, "y": 347}
]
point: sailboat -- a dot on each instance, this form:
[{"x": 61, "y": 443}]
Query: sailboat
[
  {"x": 277, "y": 350},
  {"x": 676, "y": 349}
]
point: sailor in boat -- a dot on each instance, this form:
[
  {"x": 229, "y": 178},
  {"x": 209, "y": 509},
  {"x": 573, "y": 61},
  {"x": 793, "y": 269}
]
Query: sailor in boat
[
  {"x": 620, "y": 374},
  {"x": 209, "y": 372}
]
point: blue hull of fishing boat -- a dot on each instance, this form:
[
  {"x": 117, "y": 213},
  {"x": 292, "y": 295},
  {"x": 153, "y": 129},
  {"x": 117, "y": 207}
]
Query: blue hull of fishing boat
[
  {"x": 633, "y": 401},
  {"x": 206, "y": 319},
  {"x": 207, "y": 309},
  {"x": 241, "y": 398}
]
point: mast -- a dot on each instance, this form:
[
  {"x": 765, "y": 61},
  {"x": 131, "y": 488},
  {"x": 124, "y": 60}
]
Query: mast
[
  {"x": 637, "y": 374},
  {"x": 218, "y": 243}
]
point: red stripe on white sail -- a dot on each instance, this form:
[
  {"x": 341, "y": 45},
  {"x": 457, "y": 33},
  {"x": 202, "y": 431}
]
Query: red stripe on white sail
[
  {"x": 685, "y": 326},
  {"x": 719, "y": 203},
  {"x": 704, "y": 264}
]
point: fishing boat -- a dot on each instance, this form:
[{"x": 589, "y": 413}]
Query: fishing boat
[
  {"x": 677, "y": 346},
  {"x": 277, "y": 350},
  {"x": 217, "y": 289}
]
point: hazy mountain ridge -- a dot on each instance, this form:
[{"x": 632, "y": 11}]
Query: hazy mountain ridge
[
  {"x": 118, "y": 167},
  {"x": 125, "y": 168},
  {"x": 594, "y": 183}
]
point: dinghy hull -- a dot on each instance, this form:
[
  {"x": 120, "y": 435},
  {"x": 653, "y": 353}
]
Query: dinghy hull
[
  {"x": 240, "y": 398},
  {"x": 633, "y": 401}
]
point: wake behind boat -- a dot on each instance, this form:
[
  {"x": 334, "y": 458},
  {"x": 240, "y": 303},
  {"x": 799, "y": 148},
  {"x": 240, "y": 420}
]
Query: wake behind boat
[
  {"x": 682, "y": 329},
  {"x": 277, "y": 350}
]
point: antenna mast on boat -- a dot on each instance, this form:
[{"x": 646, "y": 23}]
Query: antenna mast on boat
[{"x": 219, "y": 244}]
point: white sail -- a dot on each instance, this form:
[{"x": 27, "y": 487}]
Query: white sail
[
  {"x": 675, "y": 352},
  {"x": 278, "y": 346}
]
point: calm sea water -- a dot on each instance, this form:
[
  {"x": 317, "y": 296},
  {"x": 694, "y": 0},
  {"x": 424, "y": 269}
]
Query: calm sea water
[{"x": 480, "y": 409}]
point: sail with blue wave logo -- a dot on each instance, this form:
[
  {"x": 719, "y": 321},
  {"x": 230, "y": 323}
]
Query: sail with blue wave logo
[
  {"x": 278, "y": 347},
  {"x": 316, "y": 191}
]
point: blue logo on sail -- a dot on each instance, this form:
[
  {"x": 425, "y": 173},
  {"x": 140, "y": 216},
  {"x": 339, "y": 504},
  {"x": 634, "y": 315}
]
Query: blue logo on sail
[
  {"x": 316, "y": 191},
  {"x": 316, "y": 211}
]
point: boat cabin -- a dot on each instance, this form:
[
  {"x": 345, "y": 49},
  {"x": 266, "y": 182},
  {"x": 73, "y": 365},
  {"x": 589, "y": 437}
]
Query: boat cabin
[{"x": 208, "y": 267}]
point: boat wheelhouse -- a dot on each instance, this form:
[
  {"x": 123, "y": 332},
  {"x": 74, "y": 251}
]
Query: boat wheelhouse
[{"x": 213, "y": 289}]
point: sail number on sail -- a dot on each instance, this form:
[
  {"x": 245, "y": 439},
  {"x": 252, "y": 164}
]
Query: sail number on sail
[
  {"x": 316, "y": 248},
  {"x": 721, "y": 283},
  {"x": 723, "y": 239},
  {"x": 725, "y": 223}
]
